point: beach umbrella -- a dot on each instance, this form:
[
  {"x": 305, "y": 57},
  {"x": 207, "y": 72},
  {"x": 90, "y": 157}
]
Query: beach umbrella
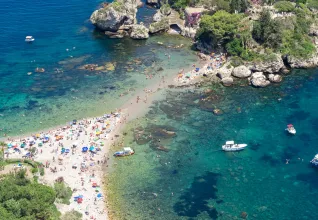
[
  {"x": 84, "y": 149},
  {"x": 94, "y": 185},
  {"x": 99, "y": 195},
  {"x": 92, "y": 148}
]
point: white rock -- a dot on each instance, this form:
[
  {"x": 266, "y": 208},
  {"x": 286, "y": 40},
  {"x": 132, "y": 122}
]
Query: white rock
[
  {"x": 258, "y": 79},
  {"x": 241, "y": 72}
]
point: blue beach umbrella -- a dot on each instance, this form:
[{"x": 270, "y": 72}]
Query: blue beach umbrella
[
  {"x": 92, "y": 148},
  {"x": 84, "y": 149},
  {"x": 99, "y": 195}
]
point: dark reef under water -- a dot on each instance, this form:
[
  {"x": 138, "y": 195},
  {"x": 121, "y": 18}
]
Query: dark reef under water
[{"x": 179, "y": 171}]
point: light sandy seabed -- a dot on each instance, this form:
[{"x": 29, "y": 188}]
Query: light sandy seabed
[{"x": 81, "y": 181}]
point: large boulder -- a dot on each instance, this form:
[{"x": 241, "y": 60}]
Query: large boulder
[
  {"x": 241, "y": 72},
  {"x": 276, "y": 78},
  {"x": 139, "y": 31},
  {"x": 225, "y": 71},
  {"x": 258, "y": 79},
  {"x": 227, "y": 81},
  {"x": 271, "y": 65},
  {"x": 162, "y": 25},
  {"x": 114, "y": 15}
]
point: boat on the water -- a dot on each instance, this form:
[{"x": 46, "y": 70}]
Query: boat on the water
[
  {"x": 315, "y": 160},
  {"x": 29, "y": 39},
  {"x": 231, "y": 146},
  {"x": 290, "y": 128},
  {"x": 126, "y": 152}
]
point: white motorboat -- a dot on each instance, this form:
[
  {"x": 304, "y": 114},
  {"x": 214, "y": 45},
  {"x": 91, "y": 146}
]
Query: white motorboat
[
  {"x": 231, "y": 146},
  {"x": 126, "y": 152},
  {"x": 29, "y": 39},
  {"x": 315, "y": 160},
  {"x": 290, "y": 128}
]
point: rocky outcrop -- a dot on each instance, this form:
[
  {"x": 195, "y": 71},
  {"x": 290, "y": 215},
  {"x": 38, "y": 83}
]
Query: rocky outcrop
[
  {"x": 241, "y": 72},
  {"x": 272, "y": 65},
  {"x": 139, "y": 31},
  {"x": 165, "y": 10},
  {"x": 225, "y": 71},
  {"x": 276, "y": 78},
  {"x": 158, "y": 16},
  {"x": 258, "y": 79},
  {"x": 152, "y": 2},
  {"x": 313, "y": 31},
  {"x": 114, "y": 15},
  {"x": 189, "y": 32},
  {"x": 227, "y": 81},
  {"x": 162, "y": 25},
  {"x": 311, "y": 62}
]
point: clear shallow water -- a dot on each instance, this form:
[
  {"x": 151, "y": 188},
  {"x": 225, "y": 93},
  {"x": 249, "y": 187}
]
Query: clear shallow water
[
  {"x": 65, "y": 41},
  {"x": 185, "y": 176}
]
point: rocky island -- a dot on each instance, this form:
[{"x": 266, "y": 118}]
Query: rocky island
[{"x": 262, "y": 40}]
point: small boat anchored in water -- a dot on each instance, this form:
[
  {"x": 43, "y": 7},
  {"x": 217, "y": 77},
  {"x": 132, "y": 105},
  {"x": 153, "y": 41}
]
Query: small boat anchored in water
[
  {"x": 315, "y": 161},
  {"x": 29, "y": 39},
  {"x": 290, "y": 128},
  {"x": 231, "y": 146},
  {"x": 126, "y": 152}
]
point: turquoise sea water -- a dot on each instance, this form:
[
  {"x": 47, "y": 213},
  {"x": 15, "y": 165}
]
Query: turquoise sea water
[
  {"x": 64, "y": 41},
  {"x": 186, "y": 176}
]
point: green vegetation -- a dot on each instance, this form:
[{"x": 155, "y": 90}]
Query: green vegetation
[
  {"x": 284, "y": 6},
  {"x": 218, "y": 29},
  {"x": 21, "y": 199},
  {"x": 259, "y": 40},
  {"x": 72, "y": 215},
  {"x": 63, "y": 192},
  {"x": 238, "y": 5},
  {"x": 313, "y": 4}
]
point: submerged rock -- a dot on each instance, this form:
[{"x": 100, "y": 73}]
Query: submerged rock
[
  {"x": 114, "y": 15},
  {"x": 139, "y": 31}
]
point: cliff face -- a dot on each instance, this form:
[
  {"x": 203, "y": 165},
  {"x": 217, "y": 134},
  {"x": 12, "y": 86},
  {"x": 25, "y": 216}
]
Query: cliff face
[{"x": 114, "y": 15}]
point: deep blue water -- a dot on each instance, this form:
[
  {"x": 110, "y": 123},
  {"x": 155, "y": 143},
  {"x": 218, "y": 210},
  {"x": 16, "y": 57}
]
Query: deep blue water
[
  {"x": 65, "y": 40},
  {"x": 186, "y": 176}
]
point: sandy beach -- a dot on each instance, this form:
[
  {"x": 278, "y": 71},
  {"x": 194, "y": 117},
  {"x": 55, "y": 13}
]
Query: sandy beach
[{"x": 78, "y": 152}]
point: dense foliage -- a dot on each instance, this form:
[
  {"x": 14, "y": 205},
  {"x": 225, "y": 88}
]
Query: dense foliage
[
  {"x": 21, "y": 199},
  {"x": 284, "y": 6},
  {"x": 219, "y": 28},
  {"x": 63, "y": 193}
]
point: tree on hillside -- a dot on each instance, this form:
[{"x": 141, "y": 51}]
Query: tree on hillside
[
  {"x": 267, "y": 31},
  {"x": 238, "y": 6},
  {"x": 219, "y": 28}
]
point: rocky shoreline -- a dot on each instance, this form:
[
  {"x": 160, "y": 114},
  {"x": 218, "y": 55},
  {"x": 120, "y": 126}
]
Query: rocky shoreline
[{"x": 118, "y": 20}]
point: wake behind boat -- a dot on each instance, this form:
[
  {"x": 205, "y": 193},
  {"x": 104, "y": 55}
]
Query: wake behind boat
[
  {"x": 231, "y": 146},
  {"x": 315, "y": 161},
  {"x": 290, "y": 128}
]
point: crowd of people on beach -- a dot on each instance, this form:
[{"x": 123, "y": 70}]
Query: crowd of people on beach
[
  {"x": 76, "y": 153},
  {"x": 213, "y": 62}
]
